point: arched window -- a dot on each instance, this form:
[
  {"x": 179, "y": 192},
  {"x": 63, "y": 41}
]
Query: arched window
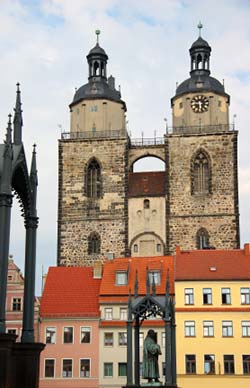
[
  {"x": 200, "y": 174},
  {"x": 202, "y": 239},
  {"x": 93, "y": 181},
  {"x": 146, "y": 204},
  {"x": 94, "y": 243}
]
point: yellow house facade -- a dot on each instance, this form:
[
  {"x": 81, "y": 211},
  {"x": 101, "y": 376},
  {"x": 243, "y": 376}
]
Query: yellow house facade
[{"x": 213, "y": 318}]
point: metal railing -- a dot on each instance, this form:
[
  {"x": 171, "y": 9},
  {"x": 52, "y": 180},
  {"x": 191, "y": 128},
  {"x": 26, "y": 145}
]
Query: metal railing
[
  {"x": 144, "y": 141},
  {"x": 196, "y": 129},
  {"x": 111, "y": 134}
]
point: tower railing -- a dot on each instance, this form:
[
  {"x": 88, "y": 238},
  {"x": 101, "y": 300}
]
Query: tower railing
[
  {"x": 196, "y": 129},
  {"x": 109, "y": 134}
]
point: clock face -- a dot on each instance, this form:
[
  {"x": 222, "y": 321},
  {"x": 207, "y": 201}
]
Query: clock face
[{"x": 199, "y": 104}]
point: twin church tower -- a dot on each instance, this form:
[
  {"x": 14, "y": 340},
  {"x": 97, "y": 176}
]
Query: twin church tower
[{"x": 107, "y": 210}]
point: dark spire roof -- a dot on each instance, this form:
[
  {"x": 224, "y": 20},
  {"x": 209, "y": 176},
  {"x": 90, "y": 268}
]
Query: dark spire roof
[
  {"x": 200, "y": 79},
  {"x": 98, "y": 87},
  {"x": 18, "y": 119}
]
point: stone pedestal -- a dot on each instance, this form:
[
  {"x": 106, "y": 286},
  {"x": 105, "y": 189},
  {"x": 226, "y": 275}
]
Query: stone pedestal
[
  {"x": 25, "y": 364},
  {"x": 6, "y": 344}
]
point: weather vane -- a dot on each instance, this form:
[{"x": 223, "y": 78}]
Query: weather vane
[
  {"x": 97, "y": 35},
  {"x": 200, "y": 26}
]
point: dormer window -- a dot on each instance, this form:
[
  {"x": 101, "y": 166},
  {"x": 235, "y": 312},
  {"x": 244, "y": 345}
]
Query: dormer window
[
  {"x": 155, "y": 277},
  {"x": 121, "y": 278}
]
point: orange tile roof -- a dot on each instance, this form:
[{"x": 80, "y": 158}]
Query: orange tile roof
[
  {"x": 70, "y": 291},
  {"x": 216, "y": 264},
  {"x": 150, "y": 183},
  {"x": 110, "y": 289}
]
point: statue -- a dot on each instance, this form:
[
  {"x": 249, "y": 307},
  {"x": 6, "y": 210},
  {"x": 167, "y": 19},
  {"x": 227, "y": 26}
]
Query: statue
[{"x": 151, "y": 351}]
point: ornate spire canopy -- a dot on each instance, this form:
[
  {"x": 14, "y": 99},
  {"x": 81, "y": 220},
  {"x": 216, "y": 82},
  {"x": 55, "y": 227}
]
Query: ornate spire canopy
[
  {"x": 97, "y": 60},
  {"x": 200, "y": 54}
]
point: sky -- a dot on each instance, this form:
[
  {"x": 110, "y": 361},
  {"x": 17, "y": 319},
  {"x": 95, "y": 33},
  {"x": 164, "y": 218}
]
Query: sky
[{"x": 43, "y": 45}]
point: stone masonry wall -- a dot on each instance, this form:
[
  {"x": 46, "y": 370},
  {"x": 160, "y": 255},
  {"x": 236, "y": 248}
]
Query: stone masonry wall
[
  {"x": 78, "y": 215},
  {"x": 217, "y": 211}
]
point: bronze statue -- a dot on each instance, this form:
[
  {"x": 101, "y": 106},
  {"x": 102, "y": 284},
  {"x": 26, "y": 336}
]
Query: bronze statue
[{"x": 151, "y": 351}]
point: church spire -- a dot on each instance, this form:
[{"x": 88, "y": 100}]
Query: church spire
[
  {"x": 33, "y": 178},
  {"x": 97, "y": 60},
  {"x": 200, "y": 55},
  {"x": 7, "y": 161},
  {"x": 18, "y": 119}
]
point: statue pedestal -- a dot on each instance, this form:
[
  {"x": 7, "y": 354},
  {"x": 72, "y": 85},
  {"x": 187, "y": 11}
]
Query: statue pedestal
[
  {"x": 25, "y": 361},
  {"x": 6, "y": 344}
]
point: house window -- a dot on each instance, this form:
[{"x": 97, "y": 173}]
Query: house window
[
  {"x": 209, "y": 364},
  {"x": 225, "y": 296},
  {"x": 123, "y": 313},
  {"x": 49, "y": 368},
  {"x": 94, "y": 244},
  {"x": 163, "y": 339},
  {"x": 50, "y": 335},
  {"x": 229, "y": 364},
  {"x": 246, "y": 364},
  {"x": 85, "y": 367},
  {"x": 189, "y": 295},
  {"x": 155, "y": 277},
  {"x": 12, "y": 331},
  {"x": 245, "y": 327},
  {"x": 67, "y": 368},
  {"x": 146, "y": 204},
  {"x": 16, "y": 304},
  {"x": 108, "y": 369},
  {"x": 93, "y": 179},
  {"x": 85, "y": 335},
  {"x": 141, "y": 339},
  {"x": 200, "y": 174},
  {"x": 202, "y": 239},
  {"x": 189, "y": 328},
  {"x": 163, "y": 369},
  {"x": 108, "y": 313},
  {"x": 207, "y": 295},
  {"x": 190, "y": 361},
  {"x": 122, "y": 339},
  {"x": 245, "y": 295},
  {"x": 108, "y": 339},
  {"x": 158, "y": 247},
  {"x": 121, "y": 278},
  {"x": 122, "y": 369},
  {"x": 68, "y": 335},
  {"x": 208, "y": 328},
  {"x": 135, "y": 248},
  {"x": 227, "y": 328}
]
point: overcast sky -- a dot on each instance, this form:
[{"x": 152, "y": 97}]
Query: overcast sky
[{"x": 44, "y": 44}]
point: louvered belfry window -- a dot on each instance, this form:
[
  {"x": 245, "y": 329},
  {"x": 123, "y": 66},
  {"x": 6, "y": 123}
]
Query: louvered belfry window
[
  {"x": 201, "y": 174},
  {"x": 94, "y": 179}
]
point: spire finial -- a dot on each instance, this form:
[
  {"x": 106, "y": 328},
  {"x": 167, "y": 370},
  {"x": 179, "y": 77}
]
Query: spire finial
[
  {"x": 200, "y": 26},
  {"x": 97, "y": 36},
  {"x": 8, "y": 132},
  {"x": 18, "y": 119}
]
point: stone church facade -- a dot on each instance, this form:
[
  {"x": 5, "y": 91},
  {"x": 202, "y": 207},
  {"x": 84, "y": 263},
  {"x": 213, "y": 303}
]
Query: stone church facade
[{"x": 107, "y": 210}]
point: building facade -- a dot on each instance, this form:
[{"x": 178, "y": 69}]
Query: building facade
[
  {"x": 69, "y": 326},
  {"x": 106, "y": 209},
  {"x": 213, "y": 317}
]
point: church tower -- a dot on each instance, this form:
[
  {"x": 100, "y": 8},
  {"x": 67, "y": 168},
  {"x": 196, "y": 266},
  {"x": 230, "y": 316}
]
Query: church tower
[
  {"x": 92, "y": 210},
  {"x": 202, "y": 181}
]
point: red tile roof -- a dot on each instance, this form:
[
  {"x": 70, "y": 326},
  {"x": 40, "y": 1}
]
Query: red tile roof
[
  {"x": 146, "y": 184},
  {"x": 70, "y": 291},
  {"x": 216, "y": 264},
  {"x": 108, "y": 285}
]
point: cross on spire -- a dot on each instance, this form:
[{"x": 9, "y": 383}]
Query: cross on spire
[
  {"x": 200, "y": 26},
  {"x": 97, "y": 36}
]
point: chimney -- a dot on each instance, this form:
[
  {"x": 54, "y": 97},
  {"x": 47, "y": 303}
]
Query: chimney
[
  {"x": 97, "y": 270},
  {"x": 247, "y": 249}
]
